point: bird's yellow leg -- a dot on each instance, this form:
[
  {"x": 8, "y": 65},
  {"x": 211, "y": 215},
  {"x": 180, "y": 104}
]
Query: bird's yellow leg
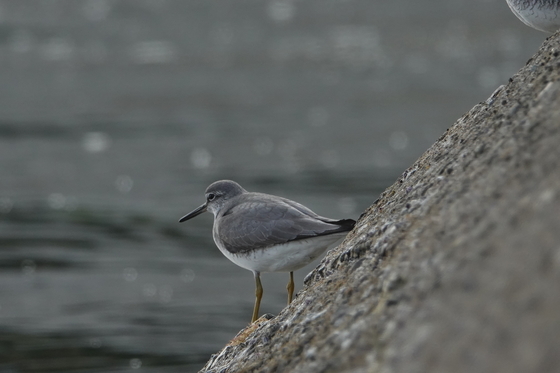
[
  {"x": 258, "y": 294},
  {"x": 290, "y": 287}
]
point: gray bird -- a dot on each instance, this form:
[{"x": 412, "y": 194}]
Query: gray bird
[
  {"x": 265, "y": 233},
  {"x": 543, "y": 15}
]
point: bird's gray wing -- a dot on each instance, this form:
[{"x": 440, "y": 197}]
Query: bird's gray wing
[{"x": 259, "y": 223}]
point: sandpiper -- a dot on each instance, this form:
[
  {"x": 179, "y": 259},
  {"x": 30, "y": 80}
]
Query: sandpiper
[
  {"x": 265, "y": 233},
  {"x": 543, "y": 15}
]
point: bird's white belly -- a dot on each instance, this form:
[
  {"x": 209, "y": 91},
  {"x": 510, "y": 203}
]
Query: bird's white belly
[
  {"x": 286, "y": 257},
  {"x": 543, "y": 17}
]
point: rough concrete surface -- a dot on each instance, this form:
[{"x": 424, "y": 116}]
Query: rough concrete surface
[{"x": 456, "y": 268}]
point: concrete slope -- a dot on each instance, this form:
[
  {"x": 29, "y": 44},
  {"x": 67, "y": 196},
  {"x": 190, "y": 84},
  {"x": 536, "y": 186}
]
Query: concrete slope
[{"x": 456, "y": 268}]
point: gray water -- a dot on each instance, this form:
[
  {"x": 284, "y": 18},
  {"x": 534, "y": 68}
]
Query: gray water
[{"x": 116, "y": 115}]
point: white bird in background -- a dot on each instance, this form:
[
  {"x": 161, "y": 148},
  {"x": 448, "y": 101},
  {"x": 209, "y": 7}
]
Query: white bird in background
[{"x": 543, "y": 15}]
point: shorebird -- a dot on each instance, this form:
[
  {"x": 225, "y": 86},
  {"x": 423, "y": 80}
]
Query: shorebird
[
  {"x": 543, "y": 15},
  {"x": 265, "y": 233}
]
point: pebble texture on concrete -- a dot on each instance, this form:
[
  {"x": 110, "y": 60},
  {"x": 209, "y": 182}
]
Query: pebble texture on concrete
[{"x": 456, "y": 268}]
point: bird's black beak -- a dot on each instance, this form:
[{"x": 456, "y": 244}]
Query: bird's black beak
[{"x": 194, "y": 213}]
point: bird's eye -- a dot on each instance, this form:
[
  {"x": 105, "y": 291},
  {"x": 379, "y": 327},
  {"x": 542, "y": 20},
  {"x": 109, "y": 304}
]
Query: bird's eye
[{"x": 211, "y": 197}]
